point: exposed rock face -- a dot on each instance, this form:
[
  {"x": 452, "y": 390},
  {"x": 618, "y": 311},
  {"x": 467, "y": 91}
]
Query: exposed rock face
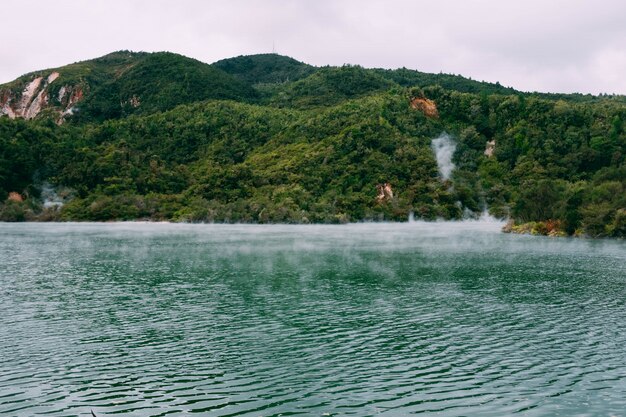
[
  {"x": 75, "y": 97},
  {"x": 53, "y": 76},
  {"x": 5, "y": 105},
  {"x": 28, "y": 94},
  {"x": 36, "y": 105},
  {"x": 30, "y": 102},
  {"x": 61, "y": 95},
  {"x": 68, "y": 97},
  {"x": 35, "y": 97},
  {"x": 13, "y": 196},
  {"x": 508, "y": 227},
  {"x": 426, "y": 106},
  {"x": 384, "y": 192},
  {"x": 490, "y": 148},
  {"x": 134, "y": 101}
]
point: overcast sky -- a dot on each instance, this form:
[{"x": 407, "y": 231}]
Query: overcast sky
[{"x": 532, "y": 45}]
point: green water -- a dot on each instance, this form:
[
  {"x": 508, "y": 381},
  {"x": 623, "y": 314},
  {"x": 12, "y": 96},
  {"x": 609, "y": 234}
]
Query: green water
[{"x": 446, "y": 319}]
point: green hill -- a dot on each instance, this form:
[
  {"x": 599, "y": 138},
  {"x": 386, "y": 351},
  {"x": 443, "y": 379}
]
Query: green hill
[
  {"x": 411, "y": 78},
  {"x": 120, "y": 84},
  {"x": 265, "y": 68},
  {"x": 158, "y": 82},
  {"x": 54, "y": 93},
  {"x": 331, "y": 85},
  {"x": 207, "y": 145}
]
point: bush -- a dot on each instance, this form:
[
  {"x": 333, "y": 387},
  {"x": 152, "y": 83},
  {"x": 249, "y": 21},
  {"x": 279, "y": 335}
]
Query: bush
[
  {"x": 617, "y": 228},
  {"x": 12, "y": 211}
]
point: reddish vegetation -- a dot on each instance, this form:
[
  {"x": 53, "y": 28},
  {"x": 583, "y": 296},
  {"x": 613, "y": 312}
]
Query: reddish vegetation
[
  {"x": 426, "y": 106},
  {"x": 13, "y": 196}
]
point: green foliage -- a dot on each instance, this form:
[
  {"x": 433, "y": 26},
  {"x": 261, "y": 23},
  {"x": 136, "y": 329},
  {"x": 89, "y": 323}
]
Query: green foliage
[
  {"x": 539, "y": 200},
  {"x": 265, "y": 68},
  {"x": 158, "y": 82},
  {"x": 617, "y": 227},
  {"x": 311, "y": 144},
  {"x": 408, "y": 78},
  {"x": 12, "y": 211},
  {"x": 22, "y": 147},
  {"x": 331, "y": 85}
]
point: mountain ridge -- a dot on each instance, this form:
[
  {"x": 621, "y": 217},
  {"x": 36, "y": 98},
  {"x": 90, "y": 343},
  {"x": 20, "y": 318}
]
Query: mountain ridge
[{"x": 104, "y": 87}]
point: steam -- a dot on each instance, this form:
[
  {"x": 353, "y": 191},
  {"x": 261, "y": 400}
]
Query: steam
[
  {"x": 444, "y": 148},
  {"x": 486, "y": 217},
  {"x": 52, "y": 199}
]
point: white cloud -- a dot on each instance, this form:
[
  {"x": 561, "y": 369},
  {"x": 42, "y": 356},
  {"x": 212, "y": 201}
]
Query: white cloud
[{"x": 545, "y": 45}]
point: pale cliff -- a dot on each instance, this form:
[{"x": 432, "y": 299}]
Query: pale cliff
[{"x": 37, "y": 95}]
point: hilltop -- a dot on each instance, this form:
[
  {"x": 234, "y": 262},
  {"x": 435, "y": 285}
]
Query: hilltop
[
  {"x": 266, "y": 138},
  {"x": 117, "y": 85}
]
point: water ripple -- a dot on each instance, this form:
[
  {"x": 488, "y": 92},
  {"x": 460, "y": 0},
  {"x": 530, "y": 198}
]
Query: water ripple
[{"x": 446, "y": 319}]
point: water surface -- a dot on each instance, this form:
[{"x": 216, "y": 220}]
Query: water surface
[{"x": 447, "y": 319}]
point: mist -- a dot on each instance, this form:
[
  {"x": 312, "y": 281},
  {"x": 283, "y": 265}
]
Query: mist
[
  {"x": 223, "y": 241},
  {"x": 50, "y": 196},
  {"x": 444, "y": 147}
]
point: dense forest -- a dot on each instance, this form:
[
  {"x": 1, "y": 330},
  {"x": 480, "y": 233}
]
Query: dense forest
[{"x": 268, "y": 139}]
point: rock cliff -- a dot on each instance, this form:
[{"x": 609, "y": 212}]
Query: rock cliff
[
  {"x": 38, "y": 94},
  {"x": 426, "y": 106},
  {"x": 385, "y": 193}
]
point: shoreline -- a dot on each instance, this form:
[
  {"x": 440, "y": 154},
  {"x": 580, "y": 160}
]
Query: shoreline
[{"x": 501, "y": 225}]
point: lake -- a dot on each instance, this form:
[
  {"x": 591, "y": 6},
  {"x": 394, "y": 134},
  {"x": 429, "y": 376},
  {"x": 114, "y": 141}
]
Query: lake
[{"x": 446, "y": 319}]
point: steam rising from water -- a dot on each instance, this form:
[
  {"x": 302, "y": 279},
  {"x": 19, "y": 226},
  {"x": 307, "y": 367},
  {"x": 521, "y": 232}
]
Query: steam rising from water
[
  {"x": 444, "y": 148},
  {"x": 53, "y": 197},
  {"x": 50, "y": 197}
]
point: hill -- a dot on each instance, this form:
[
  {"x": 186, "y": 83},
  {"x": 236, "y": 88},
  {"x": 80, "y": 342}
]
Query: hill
[
  {"x": 339, "y": 144},
  {"x": 265, "y": 68},
  {"x": 331, "y": 85},
  {"x": 117, "y": 85},
  {"x": 56, "y": 91},
  {"x": 158, "y": 82}
]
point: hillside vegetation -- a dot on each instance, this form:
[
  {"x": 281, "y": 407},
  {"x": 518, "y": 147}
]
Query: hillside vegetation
[{"x": 268, "y": 139}]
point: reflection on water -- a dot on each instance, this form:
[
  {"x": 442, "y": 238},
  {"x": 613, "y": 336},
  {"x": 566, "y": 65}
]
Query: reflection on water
[{"x": 394, "y": 319}]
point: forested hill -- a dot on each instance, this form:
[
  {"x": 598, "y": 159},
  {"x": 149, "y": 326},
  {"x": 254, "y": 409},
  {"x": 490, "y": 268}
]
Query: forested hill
[{"x": 265, "y": 138}]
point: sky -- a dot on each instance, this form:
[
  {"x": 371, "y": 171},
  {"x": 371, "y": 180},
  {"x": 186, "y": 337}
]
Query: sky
[{"x": 532, "y": 45}]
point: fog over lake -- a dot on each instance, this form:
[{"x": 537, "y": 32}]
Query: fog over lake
[{"x": 448, "y": 318}]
